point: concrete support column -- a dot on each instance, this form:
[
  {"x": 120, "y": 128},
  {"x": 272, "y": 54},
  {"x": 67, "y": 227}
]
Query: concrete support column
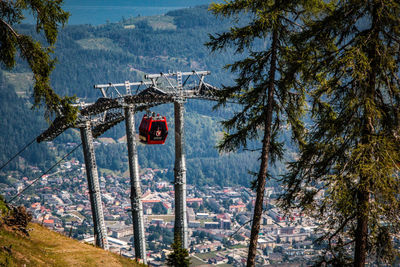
[
  {"x": 100, "y": 233},
  {"x": 181, "y": 228},
  {"x": 136, "y": 193}
]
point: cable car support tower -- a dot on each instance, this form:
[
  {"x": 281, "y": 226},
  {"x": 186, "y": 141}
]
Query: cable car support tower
[{"x": 112, "y": 108}]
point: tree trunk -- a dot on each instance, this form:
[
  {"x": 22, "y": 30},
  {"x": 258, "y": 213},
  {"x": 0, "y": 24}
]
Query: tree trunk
[
  {"x": 361, "y": 233},
  {"x": 262, "y": 174},
  {"x": 363, "y": 197}
]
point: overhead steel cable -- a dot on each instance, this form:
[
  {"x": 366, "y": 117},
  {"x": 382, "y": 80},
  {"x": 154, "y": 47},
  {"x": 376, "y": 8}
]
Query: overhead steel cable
[
  {"x": 19, "y": 152},
  {"x": 46, "y": 172}
]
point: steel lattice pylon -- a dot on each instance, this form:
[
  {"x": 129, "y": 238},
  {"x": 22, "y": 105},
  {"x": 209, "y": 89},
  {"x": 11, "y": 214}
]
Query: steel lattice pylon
[
  {"x": 100, "y": 233},
  {"x": 112, "y": 108},
  {"x": 136, "y": 193},
  {"x": 180, "y": 175}
]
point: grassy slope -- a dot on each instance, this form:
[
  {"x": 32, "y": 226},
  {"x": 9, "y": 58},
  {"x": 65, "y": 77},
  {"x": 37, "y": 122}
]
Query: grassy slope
[{"x": 48, "y": 248}]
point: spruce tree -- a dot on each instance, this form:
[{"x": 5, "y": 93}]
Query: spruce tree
[
  {"x": 347, "y": 173},
  {"x": 49, "y": 17},
  {"x": 179, "y": 257},
  {"x": 261, "y": 91}
]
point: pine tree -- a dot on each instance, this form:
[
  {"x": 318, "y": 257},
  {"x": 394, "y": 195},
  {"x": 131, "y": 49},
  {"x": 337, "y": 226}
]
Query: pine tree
[
  {"x": 179, "y": 257},
  {"x": 347, "y": 173},
  {"x": 49, "y": 16},
  {"x": 260, "y": 89}
]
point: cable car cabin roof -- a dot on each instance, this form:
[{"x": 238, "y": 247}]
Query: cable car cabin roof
[{"x": 153, "y": 130}]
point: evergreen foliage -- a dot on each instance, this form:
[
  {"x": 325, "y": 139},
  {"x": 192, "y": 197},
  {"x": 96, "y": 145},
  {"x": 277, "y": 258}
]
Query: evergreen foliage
[
  {"x": 49, "y": 16},
  {"x": 347, "y": 173},
  {"x": 159, "y": 208},
  {"x": 260, "y": 88},
  {"x": 179, "y": 257}
]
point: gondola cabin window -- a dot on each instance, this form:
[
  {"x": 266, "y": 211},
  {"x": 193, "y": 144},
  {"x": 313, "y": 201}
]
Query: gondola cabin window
[{"x": 153, "y": 130}]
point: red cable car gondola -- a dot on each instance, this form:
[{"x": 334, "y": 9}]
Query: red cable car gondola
[{"x": 153, "y": 130}]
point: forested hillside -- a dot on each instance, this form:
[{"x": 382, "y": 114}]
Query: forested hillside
[
  {"x": 19, "y": 125},
  {"x": 117, "y": 52}
]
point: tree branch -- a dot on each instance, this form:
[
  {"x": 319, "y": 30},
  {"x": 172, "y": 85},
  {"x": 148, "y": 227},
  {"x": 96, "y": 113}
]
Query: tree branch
[{"x": 243, "y": 225}]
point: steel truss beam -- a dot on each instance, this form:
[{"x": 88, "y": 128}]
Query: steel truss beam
[{"x": 104, "y": 104}]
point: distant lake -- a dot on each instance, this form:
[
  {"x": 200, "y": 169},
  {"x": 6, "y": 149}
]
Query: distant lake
[{"x": 97, "y": 12}]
